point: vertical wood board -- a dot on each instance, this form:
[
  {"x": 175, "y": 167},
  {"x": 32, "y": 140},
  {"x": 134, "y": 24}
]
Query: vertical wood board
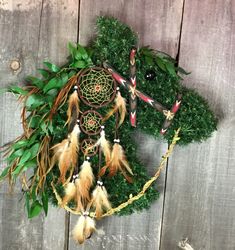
[{"x": 200, "y": 190}]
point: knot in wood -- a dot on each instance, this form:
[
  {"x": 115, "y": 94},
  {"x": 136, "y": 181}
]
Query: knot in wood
[{"x": 15, "y": 65}]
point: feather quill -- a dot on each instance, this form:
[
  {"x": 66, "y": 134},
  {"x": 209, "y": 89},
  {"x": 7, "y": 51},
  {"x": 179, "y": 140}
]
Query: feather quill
[
  {"x": 100, "y": 199},
  {"x": 120, "y": 106},
  {"x": 118, "y": 162},
  {"x": 73, "y": 109}
]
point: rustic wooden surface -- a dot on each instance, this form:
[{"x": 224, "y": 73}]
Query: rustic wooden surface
[
  {"x": 197, "y": 197},
  {"x": 200, "y": 191},
  {"x": 31, "y": 32}
]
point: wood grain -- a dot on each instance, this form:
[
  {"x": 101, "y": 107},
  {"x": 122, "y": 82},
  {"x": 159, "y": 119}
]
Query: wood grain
[
  {"x": 153, "y": 20},
  {"x": 30, "y": 33},
  {"x": 200, "y": 190}
]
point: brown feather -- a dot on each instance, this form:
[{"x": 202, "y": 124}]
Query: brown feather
[
  {"x": 73, "y": 110},
  {"x": 90, "y": 227},
  {"x": 100, "y": 200},
  {"x": 118, "y": 161}
]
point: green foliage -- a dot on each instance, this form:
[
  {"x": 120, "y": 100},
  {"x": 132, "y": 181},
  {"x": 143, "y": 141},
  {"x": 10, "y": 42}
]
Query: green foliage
[{"x": 196, "y": 120}]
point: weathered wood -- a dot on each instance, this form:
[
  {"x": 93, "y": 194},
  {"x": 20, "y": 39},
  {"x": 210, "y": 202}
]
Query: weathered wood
[
  {"x": 30, "y": 33},
  {"x": 200, "y": 201},
  {"x": 158, "y": 25}
]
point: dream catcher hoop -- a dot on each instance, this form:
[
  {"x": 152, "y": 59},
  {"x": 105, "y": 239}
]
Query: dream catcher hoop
[
  {"x": 88, "y": 147},
  {"x": 91, "y": 122},
  {"x": 96, "y": 87}
]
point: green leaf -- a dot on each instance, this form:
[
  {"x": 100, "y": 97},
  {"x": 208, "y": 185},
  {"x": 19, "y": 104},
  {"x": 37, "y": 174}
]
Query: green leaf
[
  {"x": 79, "y": 64},
  {"x": 44, "y": 73},
  {"x": 34, "y": 149},
  {"x": 30, "y": 164},
  {"x": 182, "y": 71},
  {"x": 14, "y": 155},
  {"x": 171, "y": 68},
  {"x": 4, "y": 172},
  {"x": 52, "y": 67},
  {"x": 17, "y": 90},
  {"x": 45, "y": 202},
  {"x": 149, "y": 60},
  {"x": 43, "y": 126},
  {"x": 34, "y": 121},
  {"x": 82, "y": 51},
  {"x": 64, "y": 78},
  {"x": 19, "y": 144},
  {"x": 160, "y": 64},
  {"x": 54, "y": 83},
  {"x": 34, "y": 101},
  {"x": 25, "y": 157},
  {"x": 72, "y": 73},
  {"x": 35, "y": 81},
  {"x": 35, "y": 209}
]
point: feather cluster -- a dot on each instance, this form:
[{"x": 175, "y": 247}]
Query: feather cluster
[
  {"x": 120, "y": 106},
  {"x": 84, "y": 228},
  {"x": 65, "y": 153},
  {"x": 100, "y": 200}
]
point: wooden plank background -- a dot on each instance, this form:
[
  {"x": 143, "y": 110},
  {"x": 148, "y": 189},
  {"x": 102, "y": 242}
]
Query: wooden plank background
[{"x": 197, "y": 193}]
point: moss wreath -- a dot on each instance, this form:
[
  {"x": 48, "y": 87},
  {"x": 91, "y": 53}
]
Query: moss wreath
[{"x": 43, "y": 120}]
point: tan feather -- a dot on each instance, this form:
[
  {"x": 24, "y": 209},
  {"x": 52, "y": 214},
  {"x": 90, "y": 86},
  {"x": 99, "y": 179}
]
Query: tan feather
[
  {"x": 70, "y": 193},
  {"x": 74, "y": 144},
  {"x": 82, "y": 195},
  {"x": 90, "y": 227},
  {"x": 118, "y": 162},
  {"x": 120, "y": 106},
  {"x": 65, "y": 153},
  {"x": 85, "y": 181},
  {"x": 73, "y": 110},
  {"x": 83, "y": 229},
  {"x": 100, "y": 200},
  {"x": 105, "y": 146},
  {"x": 78, "y": 231}
]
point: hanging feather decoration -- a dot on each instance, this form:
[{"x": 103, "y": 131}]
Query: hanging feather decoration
[
  {"x": 120, "y": 106},
  {"x": 70, "y": 192},
  {"x": 118, "y": 161},
  {"x": 73, "y": 109},
  {"x": 105, "y": 145},
  {"x": 100, "y": 199},
  {"x": 84, "y": 228},
  {"x": 65, "y": 153},
  {"x": 85, "y": 181}
]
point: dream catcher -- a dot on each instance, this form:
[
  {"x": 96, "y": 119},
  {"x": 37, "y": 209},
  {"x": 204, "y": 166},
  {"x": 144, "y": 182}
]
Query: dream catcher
[{"x": 77, "y": 134}]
